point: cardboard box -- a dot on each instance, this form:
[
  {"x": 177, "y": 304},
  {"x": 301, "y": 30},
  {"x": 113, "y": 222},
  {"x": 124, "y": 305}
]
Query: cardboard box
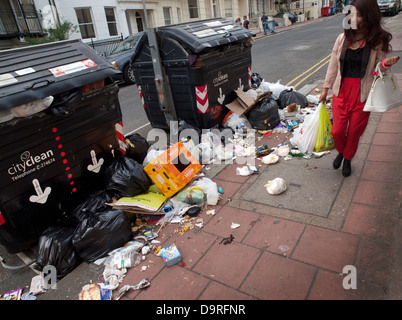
[
  {"x": 244, "y": 102},
  {"x": 171, "y": 255},
  {"x": 173, "y": 170}
]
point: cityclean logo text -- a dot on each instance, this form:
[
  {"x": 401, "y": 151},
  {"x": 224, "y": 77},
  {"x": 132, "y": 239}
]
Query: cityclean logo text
[{"x": 30, "y": 164}]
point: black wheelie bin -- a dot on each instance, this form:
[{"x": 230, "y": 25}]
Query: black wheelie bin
[
  {"x": 204, "y": 61},
  {"x": 60, "y": 122}
]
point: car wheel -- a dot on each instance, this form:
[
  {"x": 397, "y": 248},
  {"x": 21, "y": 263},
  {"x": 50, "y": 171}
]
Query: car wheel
[{"x": 128, "y": 75}]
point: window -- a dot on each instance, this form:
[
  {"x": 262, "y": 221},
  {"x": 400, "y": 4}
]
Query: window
[
  {"x": 111, "y": 21},
  {"x": 85, "y": 22},
  {"x": 193, "y": 8},
  {"x": 178, "y": 15},
  {"x": 228, "y": 9},
  {"x": 214, "y": 8},
  {"x": 166, "y": 15}
]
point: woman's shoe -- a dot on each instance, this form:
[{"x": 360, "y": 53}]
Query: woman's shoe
[
  {"x": 338, "y": 161},
  {"x": 347, "y": 168}
]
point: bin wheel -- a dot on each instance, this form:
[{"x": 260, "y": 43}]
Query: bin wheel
[{"x": 128, "y": 74}]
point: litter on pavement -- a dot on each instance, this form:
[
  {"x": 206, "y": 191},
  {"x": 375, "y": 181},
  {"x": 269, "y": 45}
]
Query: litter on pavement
[{"x": 117, "y": 228}]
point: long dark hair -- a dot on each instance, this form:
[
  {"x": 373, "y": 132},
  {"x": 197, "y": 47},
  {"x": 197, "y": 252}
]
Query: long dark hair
[{"x": 371, "y": 25}]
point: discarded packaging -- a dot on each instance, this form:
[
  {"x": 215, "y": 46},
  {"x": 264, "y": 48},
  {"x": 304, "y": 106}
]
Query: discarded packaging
[
  {"x": 191, "y": 195},
  {"x": 12, "y": 295},
  {"x": 144, "y": 283},
  {"x": 113, "y": 277},
  {"x": 234, "y": 225},
  {"x": 171, "y": 255},
  {"x": 170, "y": 172},
  {"x": 37, "y": 285},
  {"x": 282, "y": 151},
  {"x": 270, "y": 159},
  {"x": 95, "y": 292},
  {"x": 246, "y": 170},
  {"x": 276, "y": 186}
]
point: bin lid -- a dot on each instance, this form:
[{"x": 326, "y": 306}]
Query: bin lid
[
  {"x": 203, "y": 34},
  {"x": 35, "y": 72}
]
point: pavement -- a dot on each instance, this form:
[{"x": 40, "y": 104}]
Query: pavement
[{"x": 315, "y": 241}]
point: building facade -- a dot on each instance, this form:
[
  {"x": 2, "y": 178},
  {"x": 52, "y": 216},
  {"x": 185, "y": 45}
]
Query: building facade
[{"x": 103, "y": 19}]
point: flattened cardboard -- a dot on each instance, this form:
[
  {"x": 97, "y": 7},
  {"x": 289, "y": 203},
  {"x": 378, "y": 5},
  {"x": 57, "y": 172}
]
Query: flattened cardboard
[{"x": 244, "y": 102}]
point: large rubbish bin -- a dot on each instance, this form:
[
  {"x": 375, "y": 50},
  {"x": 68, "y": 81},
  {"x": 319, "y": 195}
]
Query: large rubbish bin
[
  {"x": 204, "y": 61},
  {"x": 50, "y": 160},
  {"x": 325, "y": 11}
]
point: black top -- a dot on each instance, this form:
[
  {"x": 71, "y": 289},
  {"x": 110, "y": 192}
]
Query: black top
[{"x": 353, "y": 63}]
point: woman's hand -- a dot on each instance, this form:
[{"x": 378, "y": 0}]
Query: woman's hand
[
  {"x": 391, "y": 61},
  {"x": 323, "y": 96}
]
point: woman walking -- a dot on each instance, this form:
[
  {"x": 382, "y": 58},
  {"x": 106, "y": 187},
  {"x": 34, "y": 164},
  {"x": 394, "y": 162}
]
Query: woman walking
[{"x": 355, "y": 55}]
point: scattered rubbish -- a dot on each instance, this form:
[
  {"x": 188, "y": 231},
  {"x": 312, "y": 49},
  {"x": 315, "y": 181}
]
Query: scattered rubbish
[
  {"x": 171, "y": 255},
  {"x": 276, "y": 186},
  {"x": 193, "y": 211},
  {"x": 296, "y": 153},
  {"x": 282, "y": 151},
  {"x": 220, "y": 190},
  {"x": 270, "y": 159},
  {"x": 37, "y": 285},
  {"x": 144, "y": 283},
  {"x": 246, "y": 170},
  {"x": 161, "y": 171},
  {"x": 211, "y": 212},
  {"x": 191, "y": 195},
  {"x": 227, "y": 240},
  {"x": 234, "y": 225},
  {"x": 209, "y": 188},
  {"x": 320, "y": 154},
  {"x": 28, "y": 296},
  {"x": 12, "y": 295},
  {"x": 150, "y": 202},
  {"x": 95, "y": 292}
]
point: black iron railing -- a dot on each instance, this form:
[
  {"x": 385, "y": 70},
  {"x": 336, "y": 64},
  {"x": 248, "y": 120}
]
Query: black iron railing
[{"x": 104, "y": 47}]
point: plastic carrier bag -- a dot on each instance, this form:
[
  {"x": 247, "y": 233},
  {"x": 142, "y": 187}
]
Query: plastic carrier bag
[
  {"x": 305, "y": 135},
  {"x": 324, "y": 140}
]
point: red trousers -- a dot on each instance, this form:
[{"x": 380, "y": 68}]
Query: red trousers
[{"x": 349, "y": 119}]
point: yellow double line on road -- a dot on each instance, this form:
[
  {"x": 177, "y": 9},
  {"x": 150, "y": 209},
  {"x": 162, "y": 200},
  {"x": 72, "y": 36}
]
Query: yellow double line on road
[{"x": 310, "y": 71}]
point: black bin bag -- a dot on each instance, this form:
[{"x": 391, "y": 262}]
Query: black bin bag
[
  {"x": 264, "y": 115},
  {"x": 290, "y": 96},
  {"x": 125, "y": 177},
  {"x": 55, "y": 248},
  {"x": 137, "y": 147},
  {"x": 100, "y": 233},
  {"x": 94, "y": 203}
]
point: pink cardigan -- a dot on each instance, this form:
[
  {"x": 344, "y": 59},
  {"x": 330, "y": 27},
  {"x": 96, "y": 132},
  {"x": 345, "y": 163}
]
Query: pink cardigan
[{"x": 333, "y": 78}]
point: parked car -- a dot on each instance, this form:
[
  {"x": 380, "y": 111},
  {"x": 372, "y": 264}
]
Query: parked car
[
  {"x": 120, "y": 57},
  {"x": 389, "y": 7},
  {"x": 292, "y": 16}
]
